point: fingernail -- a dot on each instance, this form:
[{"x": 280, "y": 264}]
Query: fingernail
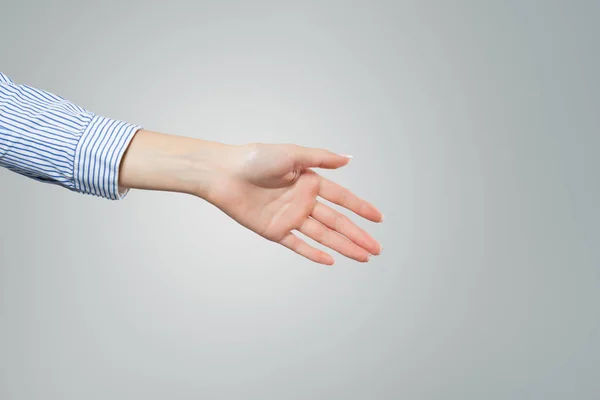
[
  {"x": 347, "y": 155},
  {"x": 381, "y": 217}
]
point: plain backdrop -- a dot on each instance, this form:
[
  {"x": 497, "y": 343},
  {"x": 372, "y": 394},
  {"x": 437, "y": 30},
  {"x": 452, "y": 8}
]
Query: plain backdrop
[{"x": 474, "y": 126}]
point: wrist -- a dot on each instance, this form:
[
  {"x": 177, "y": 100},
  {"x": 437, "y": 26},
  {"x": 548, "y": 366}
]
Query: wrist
[
  {"x": 208, "y": 166},
  {"x": 156, "y": 161}
]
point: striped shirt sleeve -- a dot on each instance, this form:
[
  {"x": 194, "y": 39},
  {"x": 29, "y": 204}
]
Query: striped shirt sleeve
[{"x": 49, "y": 139}]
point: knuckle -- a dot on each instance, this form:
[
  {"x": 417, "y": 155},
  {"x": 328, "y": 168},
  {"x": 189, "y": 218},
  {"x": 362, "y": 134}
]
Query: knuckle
[
  {"x": 339, "y": 222},
  {"x": 324, "y": 235},
  {"x": 343, "y": 196},
  {"x": 363, "y": 206}
]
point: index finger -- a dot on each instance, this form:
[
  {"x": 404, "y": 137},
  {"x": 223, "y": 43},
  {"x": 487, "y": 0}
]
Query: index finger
[{"x": 339, "y": 195}]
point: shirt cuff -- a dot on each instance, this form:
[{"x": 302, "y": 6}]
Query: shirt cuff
[{"x": 98, "y": 157}]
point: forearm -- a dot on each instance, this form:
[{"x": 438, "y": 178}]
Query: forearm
[{"x": 157, "y": 161}]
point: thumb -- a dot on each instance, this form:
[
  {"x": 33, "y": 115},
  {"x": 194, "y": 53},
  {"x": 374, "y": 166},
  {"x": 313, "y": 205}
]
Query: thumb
[{"x": 306, "y": 157}]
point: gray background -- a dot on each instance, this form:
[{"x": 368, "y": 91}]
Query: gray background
[{"x": 474, "y": 126}]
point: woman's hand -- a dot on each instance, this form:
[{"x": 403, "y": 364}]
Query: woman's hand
[
  {"x": 270, "y": 189},
  {"x": 273, "y": 191}
]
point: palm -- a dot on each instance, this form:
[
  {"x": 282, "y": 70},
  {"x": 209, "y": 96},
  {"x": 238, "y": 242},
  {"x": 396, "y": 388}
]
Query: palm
[{"x": 273, "y": 192}]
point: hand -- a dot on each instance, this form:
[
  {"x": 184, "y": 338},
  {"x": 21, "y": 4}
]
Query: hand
[{"x": 272, "y": 190}]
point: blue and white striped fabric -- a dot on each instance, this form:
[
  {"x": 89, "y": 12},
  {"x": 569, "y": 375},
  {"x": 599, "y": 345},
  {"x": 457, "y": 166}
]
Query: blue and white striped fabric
[{"x": 49, "y": 139}]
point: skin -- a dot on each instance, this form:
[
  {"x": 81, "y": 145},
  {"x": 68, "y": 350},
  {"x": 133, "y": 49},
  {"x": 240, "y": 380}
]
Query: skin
[{"x": 271, "y": 189}]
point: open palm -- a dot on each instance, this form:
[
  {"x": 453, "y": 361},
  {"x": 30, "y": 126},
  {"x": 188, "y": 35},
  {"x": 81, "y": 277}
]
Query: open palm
[{"x": 273, "y": 191}]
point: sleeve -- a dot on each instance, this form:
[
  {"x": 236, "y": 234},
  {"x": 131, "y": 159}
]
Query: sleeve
[{"x": 49, "y": 139}]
